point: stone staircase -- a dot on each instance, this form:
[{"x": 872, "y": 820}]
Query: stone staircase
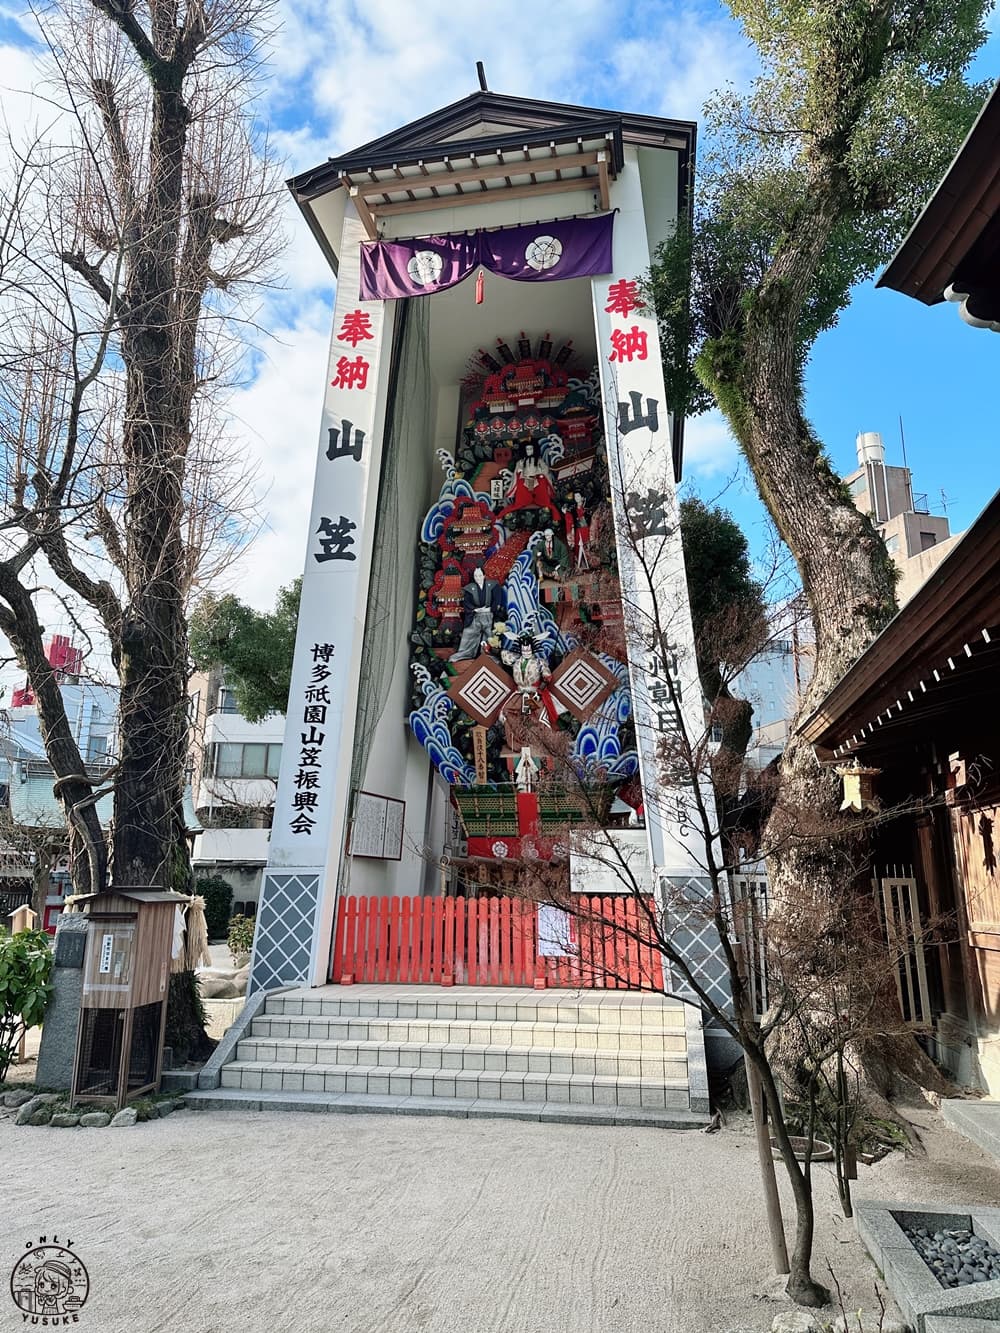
[{"x": 596, "y": 1056}]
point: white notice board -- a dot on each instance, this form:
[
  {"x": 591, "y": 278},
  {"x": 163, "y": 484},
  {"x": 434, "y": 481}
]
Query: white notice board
[{"x": 377, "y": 827}]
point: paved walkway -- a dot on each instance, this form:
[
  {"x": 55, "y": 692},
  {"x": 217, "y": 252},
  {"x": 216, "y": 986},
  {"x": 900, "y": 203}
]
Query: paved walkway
[{"x": 391, "y": 1224}]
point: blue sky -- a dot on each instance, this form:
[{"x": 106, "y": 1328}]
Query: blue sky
[{"x": 342, "y": 73}]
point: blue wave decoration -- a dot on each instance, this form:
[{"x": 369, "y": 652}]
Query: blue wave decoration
[
  {"x": 430, "y": 728},
  {"x": 526, "y": 613}
]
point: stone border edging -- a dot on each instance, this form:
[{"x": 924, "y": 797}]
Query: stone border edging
[
  {"x": 911, "y": 1283},
  {"x": 210, "y": 1075},
  {"x": 697, "y": 1059}
]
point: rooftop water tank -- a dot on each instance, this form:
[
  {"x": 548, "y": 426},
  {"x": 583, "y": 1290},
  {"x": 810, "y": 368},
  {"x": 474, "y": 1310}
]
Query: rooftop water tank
[{"x": 870, "y": 448}]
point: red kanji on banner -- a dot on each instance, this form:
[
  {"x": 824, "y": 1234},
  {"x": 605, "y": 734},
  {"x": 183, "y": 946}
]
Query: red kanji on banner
[
  {"x": 356, "y": 328},
  {"x": 623, "y": 298},
  {"x": 351, "y": 374},
  {"x": 629, "y": 344}
]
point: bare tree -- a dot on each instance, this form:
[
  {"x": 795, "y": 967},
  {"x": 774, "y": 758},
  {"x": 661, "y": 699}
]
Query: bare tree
[
  {"x": 132, "y": 232},
  {"x": 804, "y": 989}
]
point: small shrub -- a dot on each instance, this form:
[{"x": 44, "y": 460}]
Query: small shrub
[
  {"x": 241, "y": 936},
  {"x": 25, "y": 968},
  {"x": 218, "y": 895}
]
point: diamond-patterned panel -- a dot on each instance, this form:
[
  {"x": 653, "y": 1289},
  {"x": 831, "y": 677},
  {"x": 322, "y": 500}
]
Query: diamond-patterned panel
[
  {"x": 480, "y": 688},
  {"x": 583, "y": 683},
  {"x": 696, "y": 938},
  {"x": 286, "y": 920}
]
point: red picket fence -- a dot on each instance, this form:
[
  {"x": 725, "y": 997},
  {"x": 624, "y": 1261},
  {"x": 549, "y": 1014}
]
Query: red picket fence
[{"x": 491, "y": 942}]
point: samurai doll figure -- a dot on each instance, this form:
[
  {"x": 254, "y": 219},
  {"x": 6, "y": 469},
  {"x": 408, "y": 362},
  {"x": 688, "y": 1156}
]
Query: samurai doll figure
[
  {"x": 532, "y": 674},
  {"x": 482, "y": 608},
  {"x": 551, "y": 557},
  {"x": 578, "y": 531}
]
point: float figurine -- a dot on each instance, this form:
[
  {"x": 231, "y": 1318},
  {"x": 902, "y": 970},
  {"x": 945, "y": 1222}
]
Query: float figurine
[
  {"x": 482, "y": 608},
  {"x": 551, "y": 557},
  {"x": 531, "y": 679},
  {"x": 578, "y": 530},
  {"x": 532, "y": 484}
]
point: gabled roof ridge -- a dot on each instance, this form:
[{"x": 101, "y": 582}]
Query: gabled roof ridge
[{"x": 411, "y": 134}]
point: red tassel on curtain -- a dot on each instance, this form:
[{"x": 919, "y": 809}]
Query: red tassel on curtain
[{"x": 479, "y": 288}]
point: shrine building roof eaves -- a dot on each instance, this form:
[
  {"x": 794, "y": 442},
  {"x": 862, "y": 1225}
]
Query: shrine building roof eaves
[
  {"x": 941, "y": 652},
  {"x": 434, "y": 137},
  {"x": 952, "y": 247}
]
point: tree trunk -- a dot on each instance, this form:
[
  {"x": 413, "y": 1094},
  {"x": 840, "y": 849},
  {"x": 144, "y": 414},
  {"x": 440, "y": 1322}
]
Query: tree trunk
[
  {"x": 801, "y": 1286},
  {"x": 813, "y": 851},
  {"x": 87, "y": 843},
  {"x": 846, "y": 573},
  {"x": 159, "y": 393}
]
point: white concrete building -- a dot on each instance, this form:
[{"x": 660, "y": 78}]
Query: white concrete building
[{"x": 234, "y": 771}]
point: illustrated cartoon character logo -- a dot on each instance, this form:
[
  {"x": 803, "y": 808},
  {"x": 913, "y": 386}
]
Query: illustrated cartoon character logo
[{"x": 50, "y": 1281}]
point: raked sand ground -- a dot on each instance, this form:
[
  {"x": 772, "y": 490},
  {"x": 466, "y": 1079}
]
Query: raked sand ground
[{"x": 397, "y": 1224}]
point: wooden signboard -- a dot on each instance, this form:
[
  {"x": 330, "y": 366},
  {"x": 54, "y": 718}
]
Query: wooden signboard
[{"x": 377, "y": 827}]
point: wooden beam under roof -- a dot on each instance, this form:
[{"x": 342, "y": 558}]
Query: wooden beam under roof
[
  {"x": 602, "y": 181},
  {"x": 591, "y": 183},
  {"x": 364, "y": 213},
  {"x": 465, "y": 175}
]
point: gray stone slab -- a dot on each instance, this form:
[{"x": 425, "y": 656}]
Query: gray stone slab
[
  {"x": 943, "y": 1323},
  {"x": 179, "y": 1080},
  {"x": 977, "y": 1120},
  {"x": 70, "y": 943},
  {"x": 487, "y": 1108},
  {"x": 216, "y": 1100},
  {"x": 651, "y": 1118},
  {"x": 559, "y": 1114},
  {"x": 458, "y": 1107},
  {"x": 697, "y": 1060},
  {"x": 57, "y": 1049}
]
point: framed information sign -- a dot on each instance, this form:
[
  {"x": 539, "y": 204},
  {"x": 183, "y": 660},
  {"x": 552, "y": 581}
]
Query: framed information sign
[{"x": 377, "y": 827}]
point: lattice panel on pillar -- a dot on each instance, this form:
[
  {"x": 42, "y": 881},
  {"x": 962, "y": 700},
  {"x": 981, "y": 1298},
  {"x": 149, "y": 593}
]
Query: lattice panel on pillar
[
  {"x": 695, "y": 937},
  {"x": 285, "y": 924}
]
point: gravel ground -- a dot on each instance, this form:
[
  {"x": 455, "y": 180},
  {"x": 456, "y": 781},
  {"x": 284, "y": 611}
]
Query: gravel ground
[{"x": 389, "y": 1224}]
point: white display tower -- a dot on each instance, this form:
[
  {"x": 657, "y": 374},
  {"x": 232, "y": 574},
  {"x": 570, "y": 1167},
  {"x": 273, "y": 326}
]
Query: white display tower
[{"x": 487, "y": 162}]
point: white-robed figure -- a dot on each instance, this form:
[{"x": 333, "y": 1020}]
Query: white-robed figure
[{"x": 482, "y": 608}]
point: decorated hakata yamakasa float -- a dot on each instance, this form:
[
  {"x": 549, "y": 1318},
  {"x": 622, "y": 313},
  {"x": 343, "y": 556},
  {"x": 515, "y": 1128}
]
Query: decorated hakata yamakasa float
[{"x": 493, "y": 526}]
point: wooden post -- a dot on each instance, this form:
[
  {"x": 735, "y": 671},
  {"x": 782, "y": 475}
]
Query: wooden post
[{"x": 775, "y": 1225}]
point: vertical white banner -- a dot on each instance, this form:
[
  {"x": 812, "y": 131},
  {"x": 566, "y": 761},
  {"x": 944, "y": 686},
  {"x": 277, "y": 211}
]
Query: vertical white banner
[
  {"x": 312, "y": 797},
  {"x": 663, "y": 674}
]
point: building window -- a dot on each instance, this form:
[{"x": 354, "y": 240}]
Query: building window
[
  {"x": 927, "y": 540},
  {"x": 228, "y": 759},
  {"x": 858, "y": 486},
  {"x": 892, "y": 544},
  {"x": 227, "y": 701},
  {"x": 97, "y": 750}
]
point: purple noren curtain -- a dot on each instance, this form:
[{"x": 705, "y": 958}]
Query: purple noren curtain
[{"x": 538, "y": 252}]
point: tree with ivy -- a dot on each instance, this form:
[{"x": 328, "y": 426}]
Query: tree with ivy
[
  {"x": 811, "y": 182},
  {"x": 254, "y": 648}
]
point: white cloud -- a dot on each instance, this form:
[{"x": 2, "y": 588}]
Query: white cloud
[
  {"x": 673, "y": 64},
  {"x": 709, "y": 447},
  {"x": 381, "y": 64},
  {"x": 279, "y": 415}
]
